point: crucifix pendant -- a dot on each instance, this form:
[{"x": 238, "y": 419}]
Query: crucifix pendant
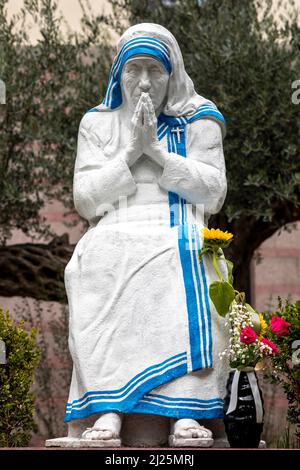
[{"x": 177, "y": 131}]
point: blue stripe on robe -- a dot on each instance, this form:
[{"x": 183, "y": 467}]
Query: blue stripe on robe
[
  {"x": 125, "y": 399},
  {"x": 184, "y": 399},
  {"x": 199, "y": 322},
  {"x": 199, "y": 315},
  {"x": 172, "y": 197},
  {"x": 180, "y": 407},
  {"x": 207, "y": 305}
]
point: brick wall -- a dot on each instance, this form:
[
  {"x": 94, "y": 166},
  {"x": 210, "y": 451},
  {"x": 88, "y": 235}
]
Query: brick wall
[{"x": 276, "y": 269}]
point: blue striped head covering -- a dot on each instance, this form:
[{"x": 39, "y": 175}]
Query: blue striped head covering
[
  {"x": 183, "y": 104},
  {"x": 142, "y": 45}
]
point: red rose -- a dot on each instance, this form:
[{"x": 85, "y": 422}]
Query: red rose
[
  {"x": 279, "y": 326},
  {"x": 248, "y": 335},
  {"x": 271, "y": 345}
]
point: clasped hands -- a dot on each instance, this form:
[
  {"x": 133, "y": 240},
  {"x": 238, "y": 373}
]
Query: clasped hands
[{"x": 143, "y": 138}]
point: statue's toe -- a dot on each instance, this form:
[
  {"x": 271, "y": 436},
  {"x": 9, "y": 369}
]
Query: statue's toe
[
  {"x": 202, "y": 432},
  {"x": 88, "y": 434},
  {"x": 183, "y": 433},
  {"x": 193, "y": 433},
  {"x": 105, "y": 435},
  {"x": 98, "y": 434}
]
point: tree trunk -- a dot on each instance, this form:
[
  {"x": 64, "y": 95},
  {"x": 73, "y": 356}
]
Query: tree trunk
[
  {"x": 35, "y": 270},
  {"x": 249, "y": 233}
]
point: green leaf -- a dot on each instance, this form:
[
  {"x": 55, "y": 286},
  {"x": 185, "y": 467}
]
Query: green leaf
[
  {"x": 221, "y": 294},
  {"x": 229, "y": 270}
]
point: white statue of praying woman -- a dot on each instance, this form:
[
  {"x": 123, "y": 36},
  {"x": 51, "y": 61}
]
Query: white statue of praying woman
[{"x": 144, "y": 336}]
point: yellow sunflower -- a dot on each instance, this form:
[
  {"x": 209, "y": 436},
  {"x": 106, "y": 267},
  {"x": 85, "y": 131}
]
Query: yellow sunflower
[
  {"x": 217, "y": 234},
  {"x": 217, "y": 237},
  {"x": 263, "y": 326}
]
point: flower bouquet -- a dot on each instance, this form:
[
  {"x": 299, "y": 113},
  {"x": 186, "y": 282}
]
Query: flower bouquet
[
  {"x": 250, "y": 336},
  {"x": 250, "y": 333},
  {"x": 251, "y": 340},
  {"x": 250, "y": 343}
]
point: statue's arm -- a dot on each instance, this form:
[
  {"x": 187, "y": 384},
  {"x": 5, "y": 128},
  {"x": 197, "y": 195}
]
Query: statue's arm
[
  {"x": 200, "y": 177},
  {"x": 98, "y": 181}
]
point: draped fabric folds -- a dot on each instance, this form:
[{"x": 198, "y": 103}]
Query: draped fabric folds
[{"x": 144, "y": 336}]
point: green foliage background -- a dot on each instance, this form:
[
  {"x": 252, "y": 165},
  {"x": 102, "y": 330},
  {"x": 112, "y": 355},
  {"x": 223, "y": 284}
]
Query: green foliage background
[
  {"x": 16, "y": 379},
  {"x": 49, "y": 86}
]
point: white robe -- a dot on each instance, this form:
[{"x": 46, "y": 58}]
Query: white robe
[{"x": 143, "y": 334}]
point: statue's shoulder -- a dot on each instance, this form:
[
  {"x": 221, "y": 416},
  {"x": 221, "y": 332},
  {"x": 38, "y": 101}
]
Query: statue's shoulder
[
  {"x": 206, "y": 130},
  {"x": 208, "y": 120},
  {"x": 99, "y": 123}
]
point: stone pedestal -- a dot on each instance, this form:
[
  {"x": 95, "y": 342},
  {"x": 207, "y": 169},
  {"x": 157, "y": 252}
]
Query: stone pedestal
[
  {"x": 177, "y": 442},
  {"x": 138, "y": 430},
  {"x": 76, "y": 442}
]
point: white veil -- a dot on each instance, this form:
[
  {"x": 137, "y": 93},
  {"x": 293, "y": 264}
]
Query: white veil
[{"x": 182, "y": 99}]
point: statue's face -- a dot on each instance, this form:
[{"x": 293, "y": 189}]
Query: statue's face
[{"x": 144, "y": 74}]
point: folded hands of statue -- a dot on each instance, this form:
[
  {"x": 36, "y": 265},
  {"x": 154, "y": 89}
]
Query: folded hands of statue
[{"x": 143, "y": 137}]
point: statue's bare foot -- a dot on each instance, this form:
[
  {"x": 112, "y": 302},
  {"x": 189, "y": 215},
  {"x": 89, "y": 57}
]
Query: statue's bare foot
[
  {"x": 189, "y": 430},
  {"x": 107, "y": 427}
]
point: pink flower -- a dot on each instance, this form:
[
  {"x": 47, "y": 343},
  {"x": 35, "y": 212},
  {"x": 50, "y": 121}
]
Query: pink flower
[
  {"x": 273, "y": 346},
  {"x": 248, "y": 335},
  {"x": 279, "y": 326}
]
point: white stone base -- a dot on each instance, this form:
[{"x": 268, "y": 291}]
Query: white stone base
[
  {"x": 76, "y": 442},
  {"x": 193, "y": 442},
  {"x": 220, "y": 443}
]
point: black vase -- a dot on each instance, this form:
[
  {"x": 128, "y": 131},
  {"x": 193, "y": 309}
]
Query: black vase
[{"x": 240, "y": 425}]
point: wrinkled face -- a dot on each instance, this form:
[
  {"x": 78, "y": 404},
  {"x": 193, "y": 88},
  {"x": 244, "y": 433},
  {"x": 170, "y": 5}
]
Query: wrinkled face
[{"x": 144, "y": 74}]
